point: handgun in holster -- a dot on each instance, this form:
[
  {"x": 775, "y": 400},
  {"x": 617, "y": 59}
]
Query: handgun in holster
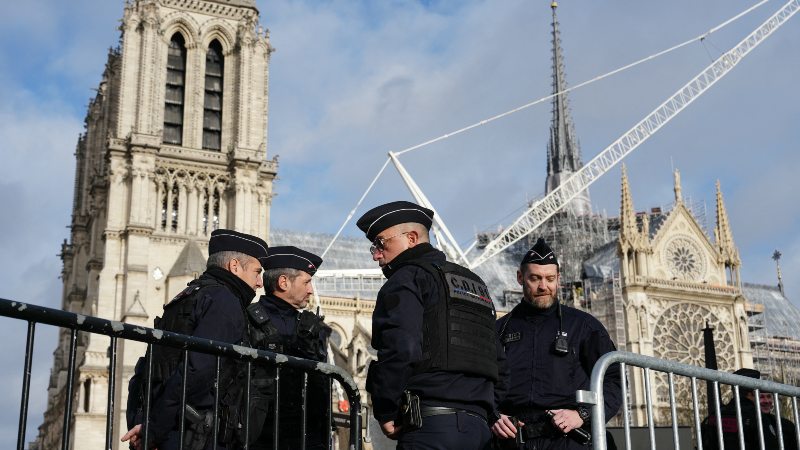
[
  {"x": 519, "y": 437},
  {"x": 499, "y": 443},
  {"x": 410, "y": 412},
  {"x": 199, "y": 428}
]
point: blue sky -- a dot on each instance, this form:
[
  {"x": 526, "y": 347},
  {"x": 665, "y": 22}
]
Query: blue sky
[{"x": 353, "y": 80}]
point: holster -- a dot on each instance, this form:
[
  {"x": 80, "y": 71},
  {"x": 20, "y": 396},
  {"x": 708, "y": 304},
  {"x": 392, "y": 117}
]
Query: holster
[
  {"x": 410, "y": 412},
  {"x": 198, "y": 429},
  {"x": 510, "y": 444}
]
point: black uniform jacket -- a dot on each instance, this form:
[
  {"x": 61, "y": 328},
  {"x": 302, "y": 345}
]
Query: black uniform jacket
[
  {"x": 397, "y": 334},
  {"x": 282, "y": 315},
  {"x": 541, "y": 379},
  {"x": 219, "y": 315}
]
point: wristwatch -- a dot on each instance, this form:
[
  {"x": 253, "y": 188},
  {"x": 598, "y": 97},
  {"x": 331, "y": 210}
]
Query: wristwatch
[{"x": 583, "y": 412}]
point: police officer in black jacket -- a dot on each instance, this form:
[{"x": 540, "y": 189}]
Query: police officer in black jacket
[
  {"x": 550, "y": 350},
  {"x": 432, "y": 385},
  {"x": 280, "y": 323},
  {"x": 211, "y": 307}
]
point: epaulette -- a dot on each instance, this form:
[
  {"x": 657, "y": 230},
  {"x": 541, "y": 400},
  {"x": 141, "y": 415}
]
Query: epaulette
[{"x": 258, "y": 314}]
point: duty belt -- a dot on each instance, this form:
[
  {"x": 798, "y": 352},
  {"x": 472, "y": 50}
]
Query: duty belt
[{"x": 428, "y": 411}]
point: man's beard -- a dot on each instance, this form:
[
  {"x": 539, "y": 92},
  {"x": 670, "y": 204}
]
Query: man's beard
[{"x": 541, "y": 302}]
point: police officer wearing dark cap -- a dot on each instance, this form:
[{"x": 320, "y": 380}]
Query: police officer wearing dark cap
[
  {"x": 730, "y": 428},
  {"x": 280, "y": 323},
  {"x": 211, "y": 307},
  {"x": 432, "y": 385},
  {"x": 550, "y": 350}
]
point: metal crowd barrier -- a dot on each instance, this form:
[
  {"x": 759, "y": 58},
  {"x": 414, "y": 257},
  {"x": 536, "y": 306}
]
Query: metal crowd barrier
[
  {"x": 594, "y": 398},
  {"x": 118, "y": 330}
]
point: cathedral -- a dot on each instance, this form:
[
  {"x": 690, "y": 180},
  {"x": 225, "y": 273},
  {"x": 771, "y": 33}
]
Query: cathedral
[{"x": 175, "y": 146}]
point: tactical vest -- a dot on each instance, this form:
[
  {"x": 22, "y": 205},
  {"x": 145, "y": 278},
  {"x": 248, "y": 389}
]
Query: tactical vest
[
  {"x": 458, "y": 331},
  {"x": 177, "y": 318},
  {"x": 305, "y": 343}
]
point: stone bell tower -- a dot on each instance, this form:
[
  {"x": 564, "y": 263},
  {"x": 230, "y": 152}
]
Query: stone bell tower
[{"x": 175, "y": 146}]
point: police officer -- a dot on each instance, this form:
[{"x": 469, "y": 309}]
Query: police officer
[
  {"x": 281, "y": 324},
  {"x": 211, "y": 307},
  {"x": 550, "y": 351},
  {"x": 730, "y": 427},
  {"x": 432, "y": 385}
]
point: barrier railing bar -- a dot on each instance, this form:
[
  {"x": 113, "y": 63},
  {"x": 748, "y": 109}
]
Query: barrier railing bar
[
  {"x": 757, "y": 394},
  {"x": 674, "y": 412},
  {"x": 276, "y": 415},
  {"x": 73, "y": 347},
  {"x": 148, "y": 394},
  {"x": 303, "y": 415},
  {"x": 330, "y": 413},
  {"x": 626, "y": 418},
  {"x": 796, "y": 421},
  {"x": 248, "y": 379},
  {"x": 26, "y": 386},
  {"x": 112, "y": 374},
  {"x": 217, "y": 382},
  {"x": 649, "y": 404},
  {"x": 738, "y": 399},
  {"x": 182, "y": 412},
  {"x": 718, "y": 413},
  {"x": 776, "y": 398},
  {"x": 696, "y": 411}
]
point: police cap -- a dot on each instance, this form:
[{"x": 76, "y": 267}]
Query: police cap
[
  {"x": 233, "y": 241},
  {"x": 540, "y": 254},
  {"x": 289, "y": 257},
  {"x": 752, "y": 373},
  {"x": 388, "y": 215}
]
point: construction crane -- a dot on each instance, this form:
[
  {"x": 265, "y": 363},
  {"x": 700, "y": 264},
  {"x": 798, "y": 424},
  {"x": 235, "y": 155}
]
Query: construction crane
[
  {"x": 544, "y": 208},
  {"x": 570, "y": 188}
]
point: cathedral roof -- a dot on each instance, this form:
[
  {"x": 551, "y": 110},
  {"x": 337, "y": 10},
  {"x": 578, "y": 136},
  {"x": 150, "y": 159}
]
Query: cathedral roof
[
  {"x": 603, "y": 263},
  {"x": 190, "y": 262},
  {"x": 780, "y": 317}
]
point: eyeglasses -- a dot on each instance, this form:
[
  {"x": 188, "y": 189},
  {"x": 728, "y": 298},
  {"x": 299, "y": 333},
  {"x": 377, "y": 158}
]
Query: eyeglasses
[{"x": 379, "y": 244}]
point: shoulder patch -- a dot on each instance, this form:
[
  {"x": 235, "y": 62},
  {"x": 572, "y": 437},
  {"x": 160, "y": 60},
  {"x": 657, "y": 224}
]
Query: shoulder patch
[{"x": 184, "y": 293}]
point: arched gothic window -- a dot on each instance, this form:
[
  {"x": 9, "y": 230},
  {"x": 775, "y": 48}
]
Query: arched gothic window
[
  {"x": 174, "y": 96},
  {"x": 212, "y": 104}
]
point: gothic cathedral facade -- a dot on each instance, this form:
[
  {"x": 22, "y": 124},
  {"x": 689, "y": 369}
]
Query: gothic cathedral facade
[
  {"x": 676, "y": 282},
  {"x": 175, "y": 146}
]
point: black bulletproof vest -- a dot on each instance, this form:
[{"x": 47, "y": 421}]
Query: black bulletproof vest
[
  {"x": 305, "y": 343},
  {"x": 177, "y": 318},
  {"x": 458, "y": 331}
]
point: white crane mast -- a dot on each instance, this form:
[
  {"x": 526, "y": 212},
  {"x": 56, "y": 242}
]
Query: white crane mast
[
  {"x": 444, "y": 238},
  {"x": 545, "y": 208}
]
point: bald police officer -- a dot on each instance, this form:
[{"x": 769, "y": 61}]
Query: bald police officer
[
  {"x": 432, "y": 385},
  {"x": 550, "y": 350},
  {"x": 281, "y": 324},
  {"x": 211, "y": 307}
]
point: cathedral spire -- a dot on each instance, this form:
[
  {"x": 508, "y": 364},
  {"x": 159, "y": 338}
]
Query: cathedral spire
[
  {"x": 723, "y": 234},
  {"x": 563, "y": 151},
  {"x": 628, "y": 231}
]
